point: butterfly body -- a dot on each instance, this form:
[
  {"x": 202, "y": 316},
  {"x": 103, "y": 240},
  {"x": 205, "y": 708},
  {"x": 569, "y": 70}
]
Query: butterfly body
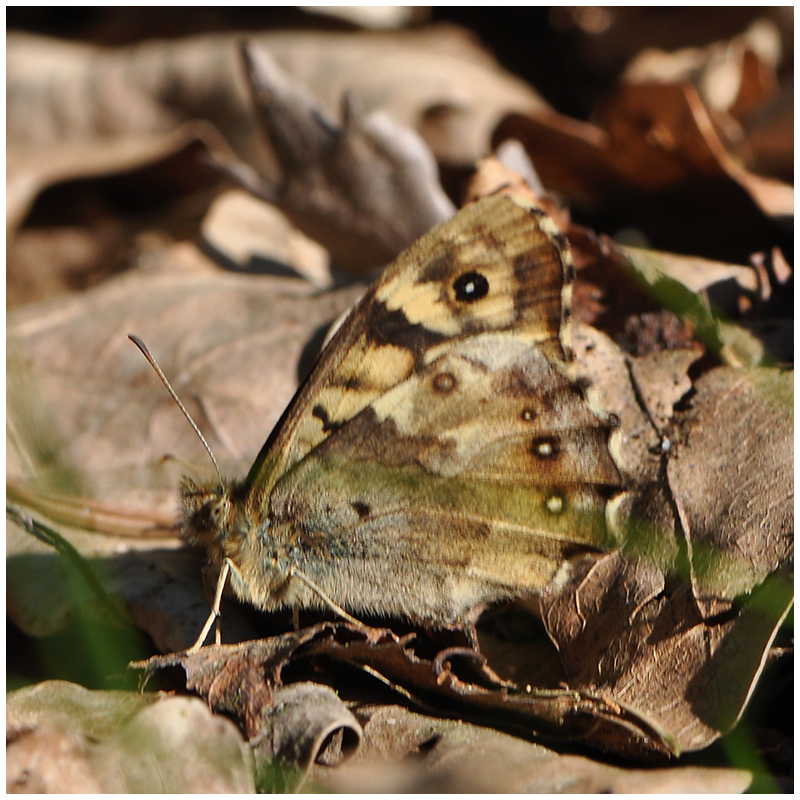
[{"x": 440, "y": 457}]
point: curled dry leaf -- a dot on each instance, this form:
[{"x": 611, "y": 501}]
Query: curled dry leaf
[
  {"x": 299, "y": 724},
  {"x": 694, "y": 677},
  {"x": 244, "y": 680},
  {"x": 365, "y": 189},
  {"x": 308, "y": 724},
  {"x": 438, "y": 79},
  {"x": 655, "y": 136},
  {"x": 736, "y": 79},
  {"x": 64, "y": 738},
  {"x": 656, "y": 159},
  {"x": 248, "y": 235},
  {"x": 94, "y": 200},
  {"x": 184, "y": 150}
]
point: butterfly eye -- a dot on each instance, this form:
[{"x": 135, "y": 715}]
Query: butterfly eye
[
  {"x": 471, "y": 286},
  {"x": 218, "y": 511}
]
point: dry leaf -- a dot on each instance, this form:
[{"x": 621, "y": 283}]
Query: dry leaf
[
  {"x": 113, "y": 421},
  {"x": 254, "y": 237},
  {"x": 244, "y": 680},
  {"x": 407, "y": 752},
  {"x": 85, "y": 443},
  {"x": 655, "y": 136},
  {"x": 734, "y": 76},
  {"x": 309, "y": 724},
  {"x": 694, "y": 677},
  {"x": 704, "y": 652},
  {"x": 81, "y": 96},
  {"x": 731, "y": 476},
  {"x": 365, "y": 188},
  {"x": 437, "y": 80},
  {"x": 64, "y": 738}
]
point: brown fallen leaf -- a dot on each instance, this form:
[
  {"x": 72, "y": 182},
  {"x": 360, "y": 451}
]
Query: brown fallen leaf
[
  {"x": 403, "y": 751},
  {"x": 693, "y": 678},
  {"x": 437, "y": 78},
  {"x": 75, "y": 110},
  {"x": 87, "y": 205},
  {"x": 86, "y": 442},
  {"x": 731, "y": 477},
  {"x": 704, "y": 649},
  {"x": 244, "y": 680},
  {"x": 655, "y": 159},
  {"x": 733, "y": 76},
  {"x": 63, "y": 738},
  {"x": 112, "y": 421},
  {"x": 309, "y": 724},
  {"x": 365, "y": 188},
  {"x": 247, "y": 235},
  {"x": 641, "y": 391}
]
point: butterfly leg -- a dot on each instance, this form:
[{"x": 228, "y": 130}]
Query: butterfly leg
[
  {"x": 294, "y": 571},
  {"x": 227, "y": 567}
]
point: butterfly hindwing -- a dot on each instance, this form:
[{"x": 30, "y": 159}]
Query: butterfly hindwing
[{"x": 489, "y": 458}]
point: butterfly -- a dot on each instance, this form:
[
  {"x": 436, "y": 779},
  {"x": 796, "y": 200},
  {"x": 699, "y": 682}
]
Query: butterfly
[{"x": 440, "y": 458}]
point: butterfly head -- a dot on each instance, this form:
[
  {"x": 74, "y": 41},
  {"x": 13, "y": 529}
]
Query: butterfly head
[{"x": 208, "y": 517}]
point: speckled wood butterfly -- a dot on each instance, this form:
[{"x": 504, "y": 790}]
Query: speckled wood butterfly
[{"x": 440, "y": 457}]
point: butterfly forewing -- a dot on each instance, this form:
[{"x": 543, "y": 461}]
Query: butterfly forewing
[{"x": 499, "y": 265}]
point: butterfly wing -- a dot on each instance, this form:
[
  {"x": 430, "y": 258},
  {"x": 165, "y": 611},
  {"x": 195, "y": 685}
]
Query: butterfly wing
[{"x": 498, "y": 265}]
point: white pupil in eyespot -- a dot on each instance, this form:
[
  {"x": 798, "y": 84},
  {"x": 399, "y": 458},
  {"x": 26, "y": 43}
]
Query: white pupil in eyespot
[{"x": 555, "y": 504}]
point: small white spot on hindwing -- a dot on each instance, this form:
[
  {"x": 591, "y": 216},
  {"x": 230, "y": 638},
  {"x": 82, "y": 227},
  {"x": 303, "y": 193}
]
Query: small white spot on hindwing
[{"x": 555, "y": 504}]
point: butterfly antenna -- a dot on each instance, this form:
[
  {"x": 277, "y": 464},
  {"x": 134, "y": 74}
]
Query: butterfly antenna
[{"x": 146, "y": 353}]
